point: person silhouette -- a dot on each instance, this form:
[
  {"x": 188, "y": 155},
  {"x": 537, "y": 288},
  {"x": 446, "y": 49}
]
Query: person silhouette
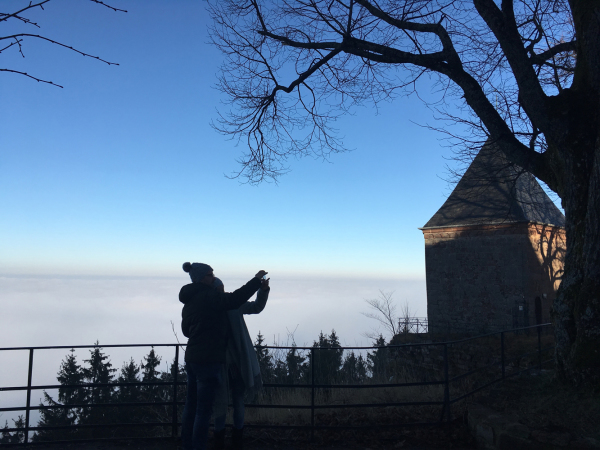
[
  {"x": 241, "y": 374},
  {"x": 204, "y": 322}
]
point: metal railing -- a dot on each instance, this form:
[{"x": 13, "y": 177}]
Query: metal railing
[
  {"x": 501, "y": 364},
  {"x": 411, "y": 325}
]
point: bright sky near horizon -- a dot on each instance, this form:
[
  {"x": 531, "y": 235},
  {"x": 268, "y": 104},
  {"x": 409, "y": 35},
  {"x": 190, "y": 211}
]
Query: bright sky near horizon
[{"x": 120, "y": 176}]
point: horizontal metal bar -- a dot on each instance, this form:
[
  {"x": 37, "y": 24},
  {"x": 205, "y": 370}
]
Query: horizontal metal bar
[
  {"x": 349, "y": 405},
  {"x": 351, "y": 386},
  {"x": 248, "y": 405},
  {"x": 346, "y": 427},
  {"x": 57, "y": 347},
  {"x": 91, "y": 405},
  {"x": 377, "y": 405},
  {"x": 105, "y": 425},
  {"x": 183, "y": 383},
  {"x": 91, "y": 385},
  {"x": 257, "y": 406},
  {"x": 83, "y": 441}
]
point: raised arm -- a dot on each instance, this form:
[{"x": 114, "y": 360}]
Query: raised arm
[
  {"x": 235, "y": 299},
  {"x": 259, "y": 304}
]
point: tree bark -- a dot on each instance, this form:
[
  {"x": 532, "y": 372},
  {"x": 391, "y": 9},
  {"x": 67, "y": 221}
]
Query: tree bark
[
  {"x": 576, "y": 149},
  {"x": 577, "y": 305}
]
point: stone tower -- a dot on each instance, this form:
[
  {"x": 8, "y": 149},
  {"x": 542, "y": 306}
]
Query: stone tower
[{"x": 493, "y": 251}]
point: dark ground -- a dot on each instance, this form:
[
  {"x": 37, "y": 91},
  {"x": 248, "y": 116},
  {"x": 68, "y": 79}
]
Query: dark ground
[
  {"x": 545, "y": 404},
  {"x": 455, "y": 437}
]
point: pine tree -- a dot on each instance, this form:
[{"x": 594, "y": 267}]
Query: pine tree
[
  {"x": 70, "y": 373},
  {"x": 15, "y": 437},
  {"x": 129, "y": 374},
  {"x": 296, "y": 365},
  {"x": 265, "y": 360},
  {"x": 280, "y": 371},
  {"x": 98, "y": 371},
  {"x": 328, "y": 358},
  {"x": 377, "y": 360},
  {"x": 150, "y": 374},
  {"x": 354, "y": 370},
  {"x": 153, "y": 393}
]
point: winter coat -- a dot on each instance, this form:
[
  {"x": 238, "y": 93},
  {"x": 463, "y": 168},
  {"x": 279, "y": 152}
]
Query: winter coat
[
  {"x": 241, "y": 353},
  {"x": 204, "y": 319}
]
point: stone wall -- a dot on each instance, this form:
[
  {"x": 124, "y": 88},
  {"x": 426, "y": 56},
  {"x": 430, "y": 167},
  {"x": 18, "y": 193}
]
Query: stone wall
[{"x": 491, "y": 277}]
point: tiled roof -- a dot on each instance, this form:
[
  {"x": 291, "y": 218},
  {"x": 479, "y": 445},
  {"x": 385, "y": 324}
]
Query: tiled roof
[{"x": 495, "y": 191}]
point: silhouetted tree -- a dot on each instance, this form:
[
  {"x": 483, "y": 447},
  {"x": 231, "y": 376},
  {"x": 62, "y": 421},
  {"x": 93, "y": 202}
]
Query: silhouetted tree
[
  {"x": 70, "y": 373},
  {"x": 378, "y": 360},
  {"x": 98, "y": 370},
  {"x": 15, "y": 437},
  {"x": 297, "y": 366},
  {"x": 280, "y": 371},
  {"x": 328, "y": 358},
  {"x": 524, "y": 75},
  {"x": 129, "y": 374},
  {"x": 354, "y": 370},
  {"x": 265, "y": 360},
  {"x": 150, "y": 373}
]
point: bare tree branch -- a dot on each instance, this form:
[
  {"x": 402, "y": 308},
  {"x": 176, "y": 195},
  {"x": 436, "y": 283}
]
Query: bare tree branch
[
  {"x": 32, "y": 77},
  {"x": 37, "y": 36},
  {"x": 108, "y": 6},
  {"x": 416, "y": 35},
  {"x": 384, "y": 312},
  {"x": 17, "y": 14},
  {"x": 19, "y": 38}
]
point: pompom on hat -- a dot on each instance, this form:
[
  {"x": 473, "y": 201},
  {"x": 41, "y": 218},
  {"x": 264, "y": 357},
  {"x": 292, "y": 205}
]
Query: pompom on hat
[{"x": 197, "y": 271}]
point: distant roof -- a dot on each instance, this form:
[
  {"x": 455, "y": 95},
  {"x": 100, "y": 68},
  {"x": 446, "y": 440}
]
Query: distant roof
[{"x": 495, "y": 191}]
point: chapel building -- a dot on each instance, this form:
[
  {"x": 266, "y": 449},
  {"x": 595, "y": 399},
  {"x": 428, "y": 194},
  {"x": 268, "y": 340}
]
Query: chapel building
[{"x": 494, "y": 251}]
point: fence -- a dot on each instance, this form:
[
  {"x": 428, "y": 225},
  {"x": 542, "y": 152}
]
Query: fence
[
  {"x": 448, "y": 374},
  {"x": 415, "y": 325}
]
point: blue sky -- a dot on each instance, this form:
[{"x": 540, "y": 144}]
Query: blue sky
[{"x": 120, "y": 173}]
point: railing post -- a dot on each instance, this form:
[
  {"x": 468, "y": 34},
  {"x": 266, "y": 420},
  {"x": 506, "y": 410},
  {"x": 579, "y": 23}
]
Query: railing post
[
  {"x": 312, "y": 394},
  {"x": 502, "y": 354},
  {"x": 539, "y": 333},
  {"x": 175, "y": 372},
  {"x": 447, "y": 384},
  {"x": 28, "y": 405}
]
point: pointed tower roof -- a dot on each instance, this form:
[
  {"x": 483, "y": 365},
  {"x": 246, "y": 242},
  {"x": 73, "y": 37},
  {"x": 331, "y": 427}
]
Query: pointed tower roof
[{"x": 495, "y": 191}]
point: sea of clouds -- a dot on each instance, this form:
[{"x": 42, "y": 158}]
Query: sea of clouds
[{"x": 61, "y": 310}]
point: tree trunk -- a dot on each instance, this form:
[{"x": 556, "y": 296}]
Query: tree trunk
[{"x": 577, "y": 306}]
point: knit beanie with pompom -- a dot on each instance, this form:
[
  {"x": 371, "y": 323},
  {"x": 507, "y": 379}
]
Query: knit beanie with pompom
[{"x": 197, "y": 271}]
